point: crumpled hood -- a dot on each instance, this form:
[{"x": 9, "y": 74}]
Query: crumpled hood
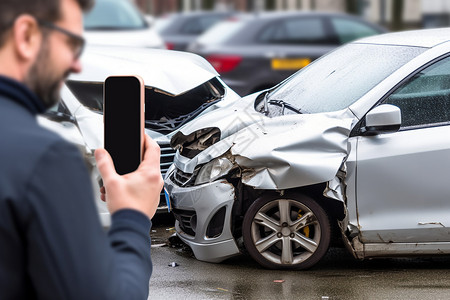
[
  {"x": 173, "y": 72},
  {"x": 229, "y": 119},
  {"x": 274, "y": 153}
]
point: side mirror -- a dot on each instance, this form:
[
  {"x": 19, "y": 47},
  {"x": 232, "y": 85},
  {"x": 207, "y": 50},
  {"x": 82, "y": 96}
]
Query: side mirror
[{"x": 385, "y": 118}]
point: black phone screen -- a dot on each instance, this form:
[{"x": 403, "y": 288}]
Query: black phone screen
[{"x": 122, "y": 122}]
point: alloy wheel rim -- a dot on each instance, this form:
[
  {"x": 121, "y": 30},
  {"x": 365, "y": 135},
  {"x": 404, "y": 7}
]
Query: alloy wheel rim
[{"x": 285, "y": 232}]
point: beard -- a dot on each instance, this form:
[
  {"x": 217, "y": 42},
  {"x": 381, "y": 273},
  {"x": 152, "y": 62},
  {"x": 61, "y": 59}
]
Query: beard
[{"x": 43, "y": 80}]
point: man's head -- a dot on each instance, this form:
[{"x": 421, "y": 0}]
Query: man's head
[{"x": 40, "y": 43}]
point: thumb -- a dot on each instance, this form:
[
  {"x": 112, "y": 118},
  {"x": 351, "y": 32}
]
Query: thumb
[{"x": 105, "y": 164}]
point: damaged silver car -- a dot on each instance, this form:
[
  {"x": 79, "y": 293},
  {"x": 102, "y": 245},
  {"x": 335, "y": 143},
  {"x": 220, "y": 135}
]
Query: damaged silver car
[
  {"x": 352, "y": 148},
  {"x": 178, "y": 88}
]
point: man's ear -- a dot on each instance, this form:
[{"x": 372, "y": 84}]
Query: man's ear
[{"x": 27, "y": 37}]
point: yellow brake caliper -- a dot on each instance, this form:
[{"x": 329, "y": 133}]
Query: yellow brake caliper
[{"x": 306, "y": 228}]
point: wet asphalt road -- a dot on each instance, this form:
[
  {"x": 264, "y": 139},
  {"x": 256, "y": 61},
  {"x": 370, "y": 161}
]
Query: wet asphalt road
[{"x": 337, "y": 276}]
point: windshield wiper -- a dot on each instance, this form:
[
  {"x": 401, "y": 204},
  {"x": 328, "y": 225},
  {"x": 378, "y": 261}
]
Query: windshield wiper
[{"x": 283, "y": 105}]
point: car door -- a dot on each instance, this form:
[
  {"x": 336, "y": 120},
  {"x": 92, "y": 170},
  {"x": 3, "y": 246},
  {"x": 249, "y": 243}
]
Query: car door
[{"x": 402, "y": 178}]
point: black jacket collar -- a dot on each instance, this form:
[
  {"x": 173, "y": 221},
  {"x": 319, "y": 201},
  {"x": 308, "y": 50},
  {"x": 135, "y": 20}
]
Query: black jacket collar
[{"x": 18, "y": 92}]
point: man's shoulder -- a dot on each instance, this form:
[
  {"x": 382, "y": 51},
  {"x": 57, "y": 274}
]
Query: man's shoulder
[
  {"x": 25, "y": 142},
  {"x": 20, "y": 130}
]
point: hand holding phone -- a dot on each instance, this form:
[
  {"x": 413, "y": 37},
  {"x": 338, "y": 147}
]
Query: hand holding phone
[{"x": 127, "y": 145}]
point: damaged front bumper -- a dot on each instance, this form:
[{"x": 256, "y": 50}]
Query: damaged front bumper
[{"x": 203, "y": 218}]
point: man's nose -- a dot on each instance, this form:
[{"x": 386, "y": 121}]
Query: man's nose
[{"x": 76, "y": 66}]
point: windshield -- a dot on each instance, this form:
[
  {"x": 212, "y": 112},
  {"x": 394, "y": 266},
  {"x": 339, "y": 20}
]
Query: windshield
[
  {"x": 338, "y": 79},
  {"x": 113, "y": 14}
]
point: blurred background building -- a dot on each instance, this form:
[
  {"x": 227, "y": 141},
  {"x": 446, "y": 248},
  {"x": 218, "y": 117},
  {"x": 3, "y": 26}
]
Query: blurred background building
[{"x": 394, "y": 14}]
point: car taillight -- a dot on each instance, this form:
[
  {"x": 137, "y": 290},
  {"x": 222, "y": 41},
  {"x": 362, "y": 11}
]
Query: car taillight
[
  {"x": 170, "y": 46},
  {"x": 233, "y": 19},
  {"x": 224, "y": 63}
]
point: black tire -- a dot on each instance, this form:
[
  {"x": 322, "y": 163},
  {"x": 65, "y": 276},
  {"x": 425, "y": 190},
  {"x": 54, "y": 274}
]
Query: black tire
[{"x": 295, "y": 239}]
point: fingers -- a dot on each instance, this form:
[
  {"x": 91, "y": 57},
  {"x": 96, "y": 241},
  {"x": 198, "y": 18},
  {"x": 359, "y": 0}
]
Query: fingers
[
  {"x": 105, "y": 164},
  {"x": 151, "y": 153},
  {"x": 150, "y": 146},
  {"x": 103, "y": 193}
]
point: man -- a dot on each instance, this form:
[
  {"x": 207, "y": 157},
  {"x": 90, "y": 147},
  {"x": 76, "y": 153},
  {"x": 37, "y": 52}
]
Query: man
[{"x": 51, "y": 243}]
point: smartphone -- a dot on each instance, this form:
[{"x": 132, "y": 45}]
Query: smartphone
[{"x": 123, "y": 118}]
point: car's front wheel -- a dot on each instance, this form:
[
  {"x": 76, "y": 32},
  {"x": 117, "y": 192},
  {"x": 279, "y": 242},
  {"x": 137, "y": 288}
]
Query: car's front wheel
[{"x": 286, "y": 232}]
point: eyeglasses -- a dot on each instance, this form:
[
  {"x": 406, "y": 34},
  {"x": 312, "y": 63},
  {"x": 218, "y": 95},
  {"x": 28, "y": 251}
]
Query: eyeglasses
[{"x": 77, "y": 42}]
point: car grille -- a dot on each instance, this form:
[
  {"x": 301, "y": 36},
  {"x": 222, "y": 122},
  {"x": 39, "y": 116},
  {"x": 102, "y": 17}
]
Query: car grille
[
  {"x": 184, "y": 179},
  {"x": 167, "y": 155},
  {"x": 187, "y": 220}
]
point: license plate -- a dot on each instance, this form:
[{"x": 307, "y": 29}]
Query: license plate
[
  {"x": 289, "y": 63},
  {"x": 166, "y": 195}
]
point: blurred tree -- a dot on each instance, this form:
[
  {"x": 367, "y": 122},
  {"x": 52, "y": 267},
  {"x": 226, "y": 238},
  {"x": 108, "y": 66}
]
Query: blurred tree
[{"x": 397, "y": 15}]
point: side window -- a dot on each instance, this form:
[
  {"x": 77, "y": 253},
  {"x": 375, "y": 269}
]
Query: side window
[
  {"x": 199, "y": 25},
  {"x": 295, "y": 31},
  {"x": 207, "y": 22},
  {"x": 349, "y": 30},
  {"x": 425, "y": 98}
]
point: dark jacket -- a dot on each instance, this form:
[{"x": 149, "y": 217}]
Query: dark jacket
[{"x": 52, "y": 245}]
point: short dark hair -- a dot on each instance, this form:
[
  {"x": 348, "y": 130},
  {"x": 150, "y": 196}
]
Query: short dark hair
[{"x": 47, "y": 10}]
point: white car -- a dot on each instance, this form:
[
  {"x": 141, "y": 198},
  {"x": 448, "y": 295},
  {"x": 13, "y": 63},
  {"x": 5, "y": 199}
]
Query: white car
[
  {"x": 120, "y": 23},
  {"x": 356, "y": 146},
  {"x": 178, "y": 87}
]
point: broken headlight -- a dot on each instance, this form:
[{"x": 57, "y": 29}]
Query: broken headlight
[{"x": 214, "y": 170}]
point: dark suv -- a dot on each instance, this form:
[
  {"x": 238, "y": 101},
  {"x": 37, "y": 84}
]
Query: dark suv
[
  {"x": 256, "y": 51},
  {"x": 178, "y": 30}
]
